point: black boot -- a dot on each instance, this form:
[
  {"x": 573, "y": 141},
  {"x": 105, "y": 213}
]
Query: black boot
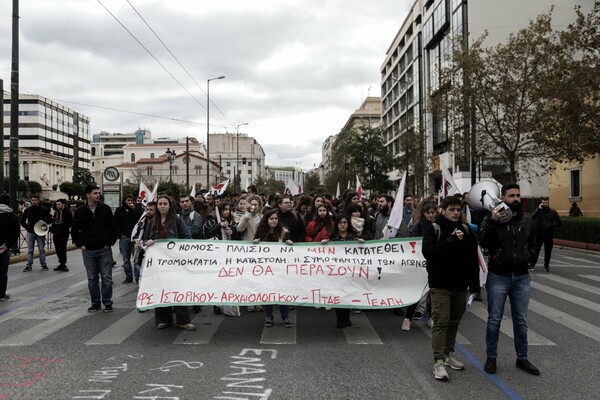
[{"x": 340, "y": 318}]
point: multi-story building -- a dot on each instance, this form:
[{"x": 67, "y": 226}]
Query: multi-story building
[
  {"x": 411, "y": 72},
  {"x": 283, "y": 174},
  {"x": 325, "y": 168},
  {"x": 238, "y": 154},
  {"x": 54, "y": 141},
  {"x": 110, "y": 144}
]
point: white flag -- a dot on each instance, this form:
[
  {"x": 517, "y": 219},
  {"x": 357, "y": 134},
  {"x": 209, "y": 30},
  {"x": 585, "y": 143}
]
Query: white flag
[
  {"x": 219, "y": 188},
  {"x": 144, "y": 193},
  {"x": 337, "y": 192},
  {"x": 449, "y": 187},
  {"x": 395, "y": 219},
  {"x": 291, "y": 187},
  {"x": 359, "y": 188},
  {"x": 193, "y": 192}
]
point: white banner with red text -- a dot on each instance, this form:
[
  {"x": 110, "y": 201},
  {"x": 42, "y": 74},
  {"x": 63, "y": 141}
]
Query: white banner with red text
[{"x": 374, "y": 274}]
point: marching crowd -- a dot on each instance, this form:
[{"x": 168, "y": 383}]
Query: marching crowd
[{"x": 450, "y": 247}]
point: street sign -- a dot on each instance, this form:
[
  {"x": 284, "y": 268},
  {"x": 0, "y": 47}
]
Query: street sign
[{"x": 111, "y": 174}]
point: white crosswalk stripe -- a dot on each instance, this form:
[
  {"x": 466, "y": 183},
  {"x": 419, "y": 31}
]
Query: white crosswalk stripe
[
  {"x": 591, "y": 277},
  {"x": 572, "y": 283}
]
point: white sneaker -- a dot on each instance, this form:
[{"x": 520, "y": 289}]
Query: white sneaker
[
  {"x": 453, "y": 363},
  {"x": 439, "y": 371},
  {"x": 406, "y": 324},
  {"x": 430, "y": 323}
]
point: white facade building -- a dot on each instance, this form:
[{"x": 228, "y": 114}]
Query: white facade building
[
  {"x": 54, "y": 141},
  {"x": 238, "y": 154}
]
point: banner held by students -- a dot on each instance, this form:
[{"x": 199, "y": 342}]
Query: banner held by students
[{"x": 375, "y": 274}]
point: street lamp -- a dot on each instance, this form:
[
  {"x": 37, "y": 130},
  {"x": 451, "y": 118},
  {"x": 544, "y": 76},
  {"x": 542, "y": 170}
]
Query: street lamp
[
  {"x": 171, "y": 157},
  {"x": 481, "y": 158},
  {"x": 237, "y": 156},
  {"x": 208, "y": 128}
]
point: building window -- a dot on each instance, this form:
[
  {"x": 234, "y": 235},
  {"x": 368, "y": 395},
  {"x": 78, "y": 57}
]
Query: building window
[
  {"x": 132, "y": 157},
  {"x": 198, "y": 169},
  {"x": 26, "y": 171},
  {"x": 575, "y": 184},
  {"x": 151, "y": 155},
  {"x": 149, "y": 171}
]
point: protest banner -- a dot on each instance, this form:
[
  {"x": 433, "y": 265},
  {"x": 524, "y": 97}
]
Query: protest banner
[{"x": 374, "y": 274}]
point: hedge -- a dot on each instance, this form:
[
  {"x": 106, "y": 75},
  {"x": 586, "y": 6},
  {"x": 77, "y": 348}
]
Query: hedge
[{"x": 579, "y": 229}]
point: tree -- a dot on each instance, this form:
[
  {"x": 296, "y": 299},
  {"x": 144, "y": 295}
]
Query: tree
[
  {"x": 83, "y": 176},
  {"x": 495, "y": 90},
  {"x": 312, "y": 183},
  {"x": 569, "y": 116},
  {"x": 72, "y": 189},
  {"x": 269, "y": 185},
  {"x": 34, "y": 187},
  {"x": 360, "y": 152}
]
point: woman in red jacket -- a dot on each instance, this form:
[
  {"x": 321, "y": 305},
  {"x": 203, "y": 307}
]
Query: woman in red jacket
[{"x": 321, "y": 226}]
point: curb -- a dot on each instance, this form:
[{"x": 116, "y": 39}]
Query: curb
[
  {"x": 577, "y": 245},
  {"x": 23, "y": 257}
]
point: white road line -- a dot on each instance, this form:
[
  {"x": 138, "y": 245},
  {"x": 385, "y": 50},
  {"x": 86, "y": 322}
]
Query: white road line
[
  {"x": 278, "y": 334},
  {"x": 590, "y": 305},
  {"x": 592, "y": 277},
  {"x": 206, "y": 322},
  {"x": 28, "y": 287},
  {"x": 577, "y": 259},
  {"x": 361, "y": 331},
  {"x": 565, "y": 320},
  {"x": 506, "y": 326},
  {"x": 572, "y": 283},
  {"x": 43, "y": 330},
  {"x": 122, "y": 329}
]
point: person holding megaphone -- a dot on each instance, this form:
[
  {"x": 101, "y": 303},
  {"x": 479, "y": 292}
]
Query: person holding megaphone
[{"x": 31, "y": 216}]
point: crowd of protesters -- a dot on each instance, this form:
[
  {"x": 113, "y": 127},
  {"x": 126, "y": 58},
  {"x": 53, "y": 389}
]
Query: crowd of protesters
[{"x": 449, "y": 246}]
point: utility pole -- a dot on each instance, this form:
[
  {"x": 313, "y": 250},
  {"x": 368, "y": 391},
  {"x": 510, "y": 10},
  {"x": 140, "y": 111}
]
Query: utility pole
[
  {"x": 14, "y": 110},
  {"x": 187, "y": 164}
]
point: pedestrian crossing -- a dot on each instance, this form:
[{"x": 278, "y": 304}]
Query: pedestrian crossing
[{"x": 59, "y": 309}]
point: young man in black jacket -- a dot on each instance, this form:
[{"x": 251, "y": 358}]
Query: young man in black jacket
[
  {"x": 61, "y": 227},
  {"x": 9, "y": 235},
  {"x": 31, "y": 216},
  {"x": 126, "y": 217},
  {"x": 94, "y": 233},
  {"x": 548, "y": 219},
  {"x": 452, "y": 267}
]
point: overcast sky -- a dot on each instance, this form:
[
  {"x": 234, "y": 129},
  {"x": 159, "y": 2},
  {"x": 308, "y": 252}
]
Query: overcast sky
[{"x": 295, "y": 70}]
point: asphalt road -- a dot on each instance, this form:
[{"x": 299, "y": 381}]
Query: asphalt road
[{"x": 51, "y": 348}]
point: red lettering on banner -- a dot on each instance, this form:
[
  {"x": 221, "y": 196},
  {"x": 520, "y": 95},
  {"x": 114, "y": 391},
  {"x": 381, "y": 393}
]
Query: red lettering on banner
[
  {"x": 383, "y": 302},
  {"x": 145, "y": 297},
  {"x": 321, "y": 250},
  {"x": 231, "y": 272},
  {"x": 259, "y": 270}
]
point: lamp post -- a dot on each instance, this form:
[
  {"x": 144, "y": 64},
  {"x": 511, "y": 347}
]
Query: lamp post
[
  {"x": 208, "y": 128},
  {"x": 237, "y": 156},
  {"x": 481, "y": 157},
  {"x": 171, "y": 157}
]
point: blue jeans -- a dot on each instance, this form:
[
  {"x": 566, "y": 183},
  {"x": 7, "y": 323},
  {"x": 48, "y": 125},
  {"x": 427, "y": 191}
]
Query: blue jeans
[
  {"x": 518, "y": 290},
  {"x": 98, "y": 265},
  {"x": 126, "y": 248},
  {"x": 32, "y": 238},
  {"x": 4, "y": 261},
  {"x": 285, "y": 311}
]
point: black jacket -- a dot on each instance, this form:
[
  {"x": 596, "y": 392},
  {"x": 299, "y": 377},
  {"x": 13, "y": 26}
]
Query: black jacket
[
  {"x": 34, "y": 214},
  {"x": 94, "y": 230},
  {"x": 452, "y": 264},
  {"x": 62, "y": 227},
  {"x": 125, "y": 219},
  {"x": 548, "y": 219},
  {"x": 294, "y": 224},
  {"x": 511, "y": 245},
  {"x": 9, "y": 227}
]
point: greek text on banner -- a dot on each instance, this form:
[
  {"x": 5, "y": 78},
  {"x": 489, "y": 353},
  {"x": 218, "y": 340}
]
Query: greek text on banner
[{"x": 374, "y": 274}]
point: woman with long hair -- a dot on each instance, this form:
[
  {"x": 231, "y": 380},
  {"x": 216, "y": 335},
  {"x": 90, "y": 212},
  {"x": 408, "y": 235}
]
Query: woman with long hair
[
  {"x": 247, "y": 227},
  {"x": 360, "y": 220},
  {"x": 350, "y": 198},
  {"x": 312, "y": 211},
  {"x": 321, "y": 226},
  {"x": 343, "y": 232},
  {"x": 166, "y": 225},
  {"x": 270, "y": 229}
]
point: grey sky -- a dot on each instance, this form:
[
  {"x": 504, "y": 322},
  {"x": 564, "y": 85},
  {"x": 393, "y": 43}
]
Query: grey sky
[{"x": 295, "y": 70}]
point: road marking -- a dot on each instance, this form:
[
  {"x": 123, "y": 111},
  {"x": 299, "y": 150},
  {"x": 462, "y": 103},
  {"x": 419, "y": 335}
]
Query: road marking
[
  {"x": 278, "y": 334},
  {"x": 570, "y": 282},
  {"x": 28, "y": 287},
  {"x": 590, "y": 305},
  {"x": 577, "y": 259},
  {"x": 206, "y": 322},
  {"x": 565, "y": 320},
  {"x": 361, "y": 331},
  {"x": 122, "y": 329},
  {"x": 592, "y": 277},
  {"x": 506, "y": 326}
]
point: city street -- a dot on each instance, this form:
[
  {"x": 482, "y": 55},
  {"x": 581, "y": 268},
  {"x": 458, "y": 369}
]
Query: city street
[{"x": 52, "y": 348}]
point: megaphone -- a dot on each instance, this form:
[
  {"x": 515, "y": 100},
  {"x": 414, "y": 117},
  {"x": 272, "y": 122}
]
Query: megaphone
[
  {"x": 41, "y": 228},
  {"x": 483, "y": 196}
]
